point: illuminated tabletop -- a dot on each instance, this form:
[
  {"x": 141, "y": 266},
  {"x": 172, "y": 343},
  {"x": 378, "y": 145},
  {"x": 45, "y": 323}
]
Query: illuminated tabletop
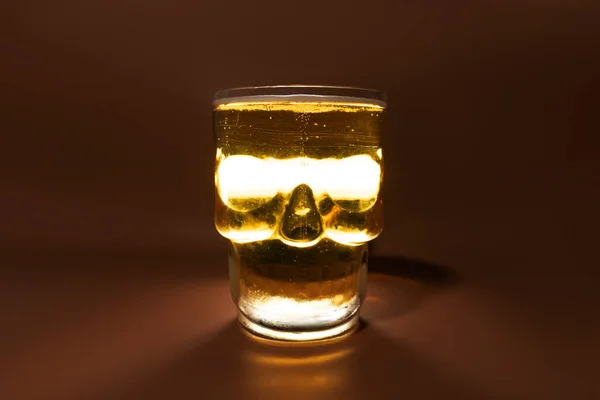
[{"x": 162, "y": 326}]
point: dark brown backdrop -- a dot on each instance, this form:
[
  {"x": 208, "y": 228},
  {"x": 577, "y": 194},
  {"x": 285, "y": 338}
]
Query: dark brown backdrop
[
  {"x": 106, "y": 114},
  {"x": 491, "y": 151}
]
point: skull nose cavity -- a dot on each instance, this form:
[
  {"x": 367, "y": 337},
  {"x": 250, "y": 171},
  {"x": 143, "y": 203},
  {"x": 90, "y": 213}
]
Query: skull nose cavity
[{"x": 301, "y": 221}]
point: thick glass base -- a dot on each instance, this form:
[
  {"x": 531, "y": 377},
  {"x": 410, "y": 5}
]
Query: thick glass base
[
  {"x": 298, "y": 294},
  {"x": 345, "y": 327}
]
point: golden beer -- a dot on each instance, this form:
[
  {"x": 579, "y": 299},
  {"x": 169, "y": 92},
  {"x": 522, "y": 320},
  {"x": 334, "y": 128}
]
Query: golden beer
[{"x": 298, "y": 174}]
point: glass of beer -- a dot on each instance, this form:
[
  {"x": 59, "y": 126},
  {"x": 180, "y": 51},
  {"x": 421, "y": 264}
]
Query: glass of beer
[{"x": 298, "y": 173}]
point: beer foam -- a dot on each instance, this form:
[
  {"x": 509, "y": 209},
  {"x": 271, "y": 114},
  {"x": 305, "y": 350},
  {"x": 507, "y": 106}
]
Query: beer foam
[{"x": 305, "y": 103}]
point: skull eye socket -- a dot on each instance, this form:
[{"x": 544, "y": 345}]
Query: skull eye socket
[
  {"x": 354, "y": 183},
  {"x": 244, "y": 183}
]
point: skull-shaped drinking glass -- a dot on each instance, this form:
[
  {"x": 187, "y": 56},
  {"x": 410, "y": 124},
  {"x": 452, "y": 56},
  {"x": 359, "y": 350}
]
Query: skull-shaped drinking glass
[{"x": 298, "y": 174}]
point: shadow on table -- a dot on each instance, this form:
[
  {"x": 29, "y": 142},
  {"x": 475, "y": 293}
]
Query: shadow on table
[
  {"x": 398, "y": 285},
  {"x": 418, "y": 270}
]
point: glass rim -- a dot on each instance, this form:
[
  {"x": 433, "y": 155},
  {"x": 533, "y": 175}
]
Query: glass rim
[{"x": 300, "y": 93}]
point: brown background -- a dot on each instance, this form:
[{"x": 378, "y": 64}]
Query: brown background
[{"x": 491, "y": 149}]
